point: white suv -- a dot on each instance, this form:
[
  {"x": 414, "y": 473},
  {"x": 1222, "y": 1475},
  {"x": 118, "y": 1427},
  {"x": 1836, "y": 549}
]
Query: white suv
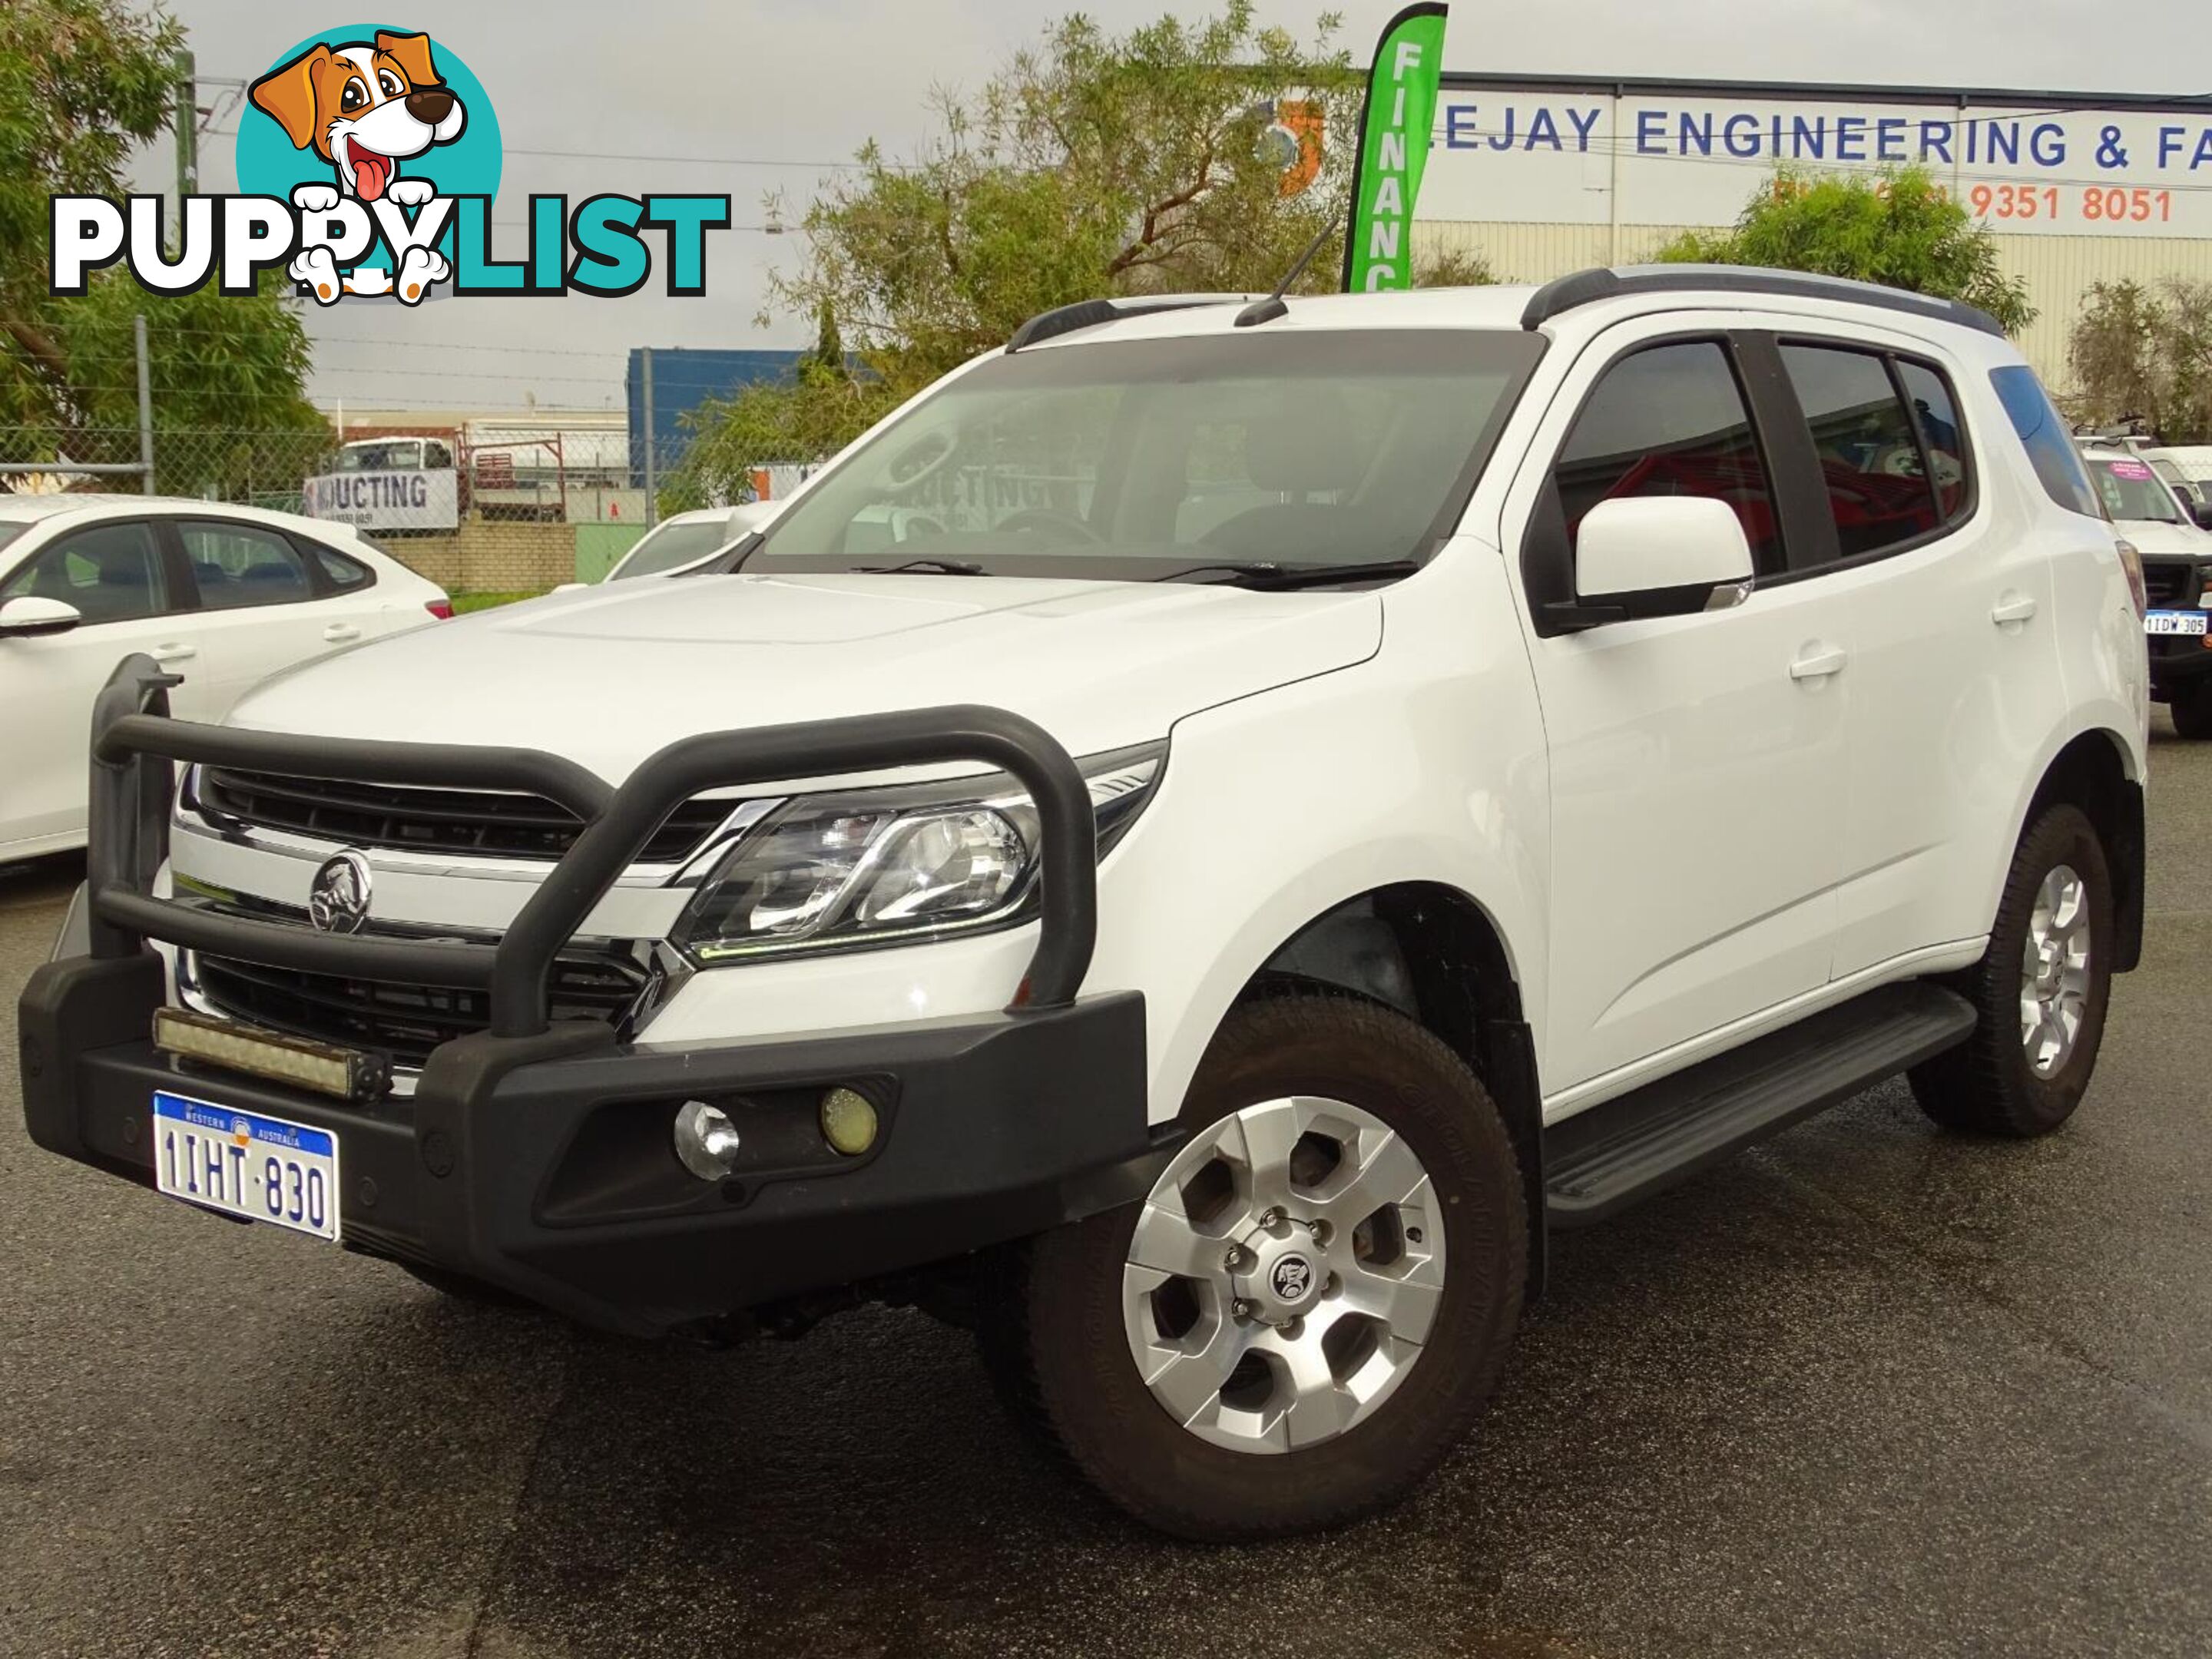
[{"x": 1311, "y": 798}]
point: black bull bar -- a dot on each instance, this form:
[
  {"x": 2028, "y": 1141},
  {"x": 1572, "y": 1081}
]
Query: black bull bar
[
  {"x": 134, "y": 739},
  {"x": 534, "y": 1156}
]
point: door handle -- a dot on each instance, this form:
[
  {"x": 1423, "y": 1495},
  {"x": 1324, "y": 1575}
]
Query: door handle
[
  {"x": 339, "y": 632},
  {"x": 173, "y": 652},
  {"x": 1818, "y": 662},
  {"x": 2012, "y": 607}
]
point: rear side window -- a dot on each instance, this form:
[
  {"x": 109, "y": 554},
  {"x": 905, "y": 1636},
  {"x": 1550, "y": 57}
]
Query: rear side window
[
  {"x": 239, "y": 565},
  {"x": 344, "y": 574},
  {"x": 2050, "y": 447},
  {"x": 1935, "y": 411},
  {"x": 1889, "y": 446},
  {"x": 1669, "y": 421}
]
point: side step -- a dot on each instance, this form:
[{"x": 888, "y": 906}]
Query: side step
[{"x": 1599, "y": 1161}]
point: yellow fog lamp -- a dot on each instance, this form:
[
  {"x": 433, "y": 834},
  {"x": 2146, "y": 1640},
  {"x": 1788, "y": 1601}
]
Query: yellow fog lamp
[{"x": 849, "y": 1121}]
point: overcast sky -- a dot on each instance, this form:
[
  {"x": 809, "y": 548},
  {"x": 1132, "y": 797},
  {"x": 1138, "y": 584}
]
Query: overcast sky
[{"x": 784, "y": 87}]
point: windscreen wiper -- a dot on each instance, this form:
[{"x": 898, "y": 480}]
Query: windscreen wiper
[
  {"x": 1281, "y": 578},
  {"x": 933, "y": 567}
]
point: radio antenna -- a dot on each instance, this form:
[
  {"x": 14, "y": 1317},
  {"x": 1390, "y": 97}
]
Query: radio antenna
[{"x": 1266, "y": 310}]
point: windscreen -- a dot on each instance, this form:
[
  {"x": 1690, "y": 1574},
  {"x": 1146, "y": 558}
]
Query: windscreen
[
  {"x": 2131, "y": 491},
  {"x": 1136, "y": 460},
  {"x": 400, "y": 455},
  {"x": 10, "y": 531},
  {"x": 671, "y": 546}
]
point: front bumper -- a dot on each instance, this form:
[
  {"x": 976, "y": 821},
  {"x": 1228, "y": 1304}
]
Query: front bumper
[
  {"x": 536, "y": 1155},
  {"x": 542, "y": 1165},
  {"x": 2178, "y": 661}
]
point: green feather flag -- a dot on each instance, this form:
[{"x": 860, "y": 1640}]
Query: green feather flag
[{"x": 1393, "y": 149}]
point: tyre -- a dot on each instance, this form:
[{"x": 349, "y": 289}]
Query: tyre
[
  {"x": 2041, "y": 991},
  {"x": 1313, "y": 1304},
  {"x": 2191, "y": 709}
]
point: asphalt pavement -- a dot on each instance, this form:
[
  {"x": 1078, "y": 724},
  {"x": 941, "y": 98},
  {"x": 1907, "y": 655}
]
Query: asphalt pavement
[{"x": 1868, "y": 1390}]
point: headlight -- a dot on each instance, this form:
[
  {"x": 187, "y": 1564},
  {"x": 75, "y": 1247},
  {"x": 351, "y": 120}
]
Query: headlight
[{"x": 876, "y": 866}]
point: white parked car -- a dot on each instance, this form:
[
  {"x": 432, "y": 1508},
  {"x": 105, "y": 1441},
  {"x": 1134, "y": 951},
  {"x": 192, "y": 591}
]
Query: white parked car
[
  {"x": 223, "y": 595},
  {"x": 1190, "y": 848},
  {"x": 683, "y": 540},
  {"x": 2177, "y": 565}
]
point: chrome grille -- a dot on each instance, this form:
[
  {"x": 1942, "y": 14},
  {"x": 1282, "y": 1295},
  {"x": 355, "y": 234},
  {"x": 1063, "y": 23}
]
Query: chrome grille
[
  {"x": 485, "y": 823},
  {"x": 404, "y": 1021}
]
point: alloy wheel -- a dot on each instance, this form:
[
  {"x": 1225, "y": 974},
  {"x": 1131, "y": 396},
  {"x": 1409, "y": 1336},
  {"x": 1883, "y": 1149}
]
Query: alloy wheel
[
  {"x": 1284, "y": 1272},
  {"x": 2054, "y": 976}
]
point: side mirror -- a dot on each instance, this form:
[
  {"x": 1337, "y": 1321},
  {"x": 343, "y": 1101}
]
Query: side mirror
[
  {"x": 30, "y": 616},
  {"x": 2202, "y": 512},
  {"x": 747, "y": 517},
  {"x": 1643, "y": 543}
]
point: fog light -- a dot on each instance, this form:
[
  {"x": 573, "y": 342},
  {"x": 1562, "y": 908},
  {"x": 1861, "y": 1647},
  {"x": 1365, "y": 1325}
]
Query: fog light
[
  {"x": 705, "y": 1140},
  {"x": 849, "y": 1121}
]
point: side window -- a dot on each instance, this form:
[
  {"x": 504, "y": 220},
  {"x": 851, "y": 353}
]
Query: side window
[
  {"x": 1936, "y": 409},
  {"x": 111, "y": 573},
  {"x": 2050, "y": 444},
  {"x": 238, "y": 565},
  {"x": 343, "y": 574},
  {"x": 1669, "y": 421},
  {"x": 1879, "y": 491}
]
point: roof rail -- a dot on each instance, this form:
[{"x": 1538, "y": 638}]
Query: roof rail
[
  {"x": 1089, "y": 313},
  {"x": 1588, "y": 287}
]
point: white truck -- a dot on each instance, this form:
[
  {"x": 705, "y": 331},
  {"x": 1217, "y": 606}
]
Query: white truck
[{"x": 1385, "y": 777}]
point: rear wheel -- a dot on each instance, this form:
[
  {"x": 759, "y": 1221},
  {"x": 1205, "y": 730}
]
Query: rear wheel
[
  {"x": 2041, "y": 991},
  {"x": 1312, "y": 1305},
  {"x": 2191, "y": 709}
]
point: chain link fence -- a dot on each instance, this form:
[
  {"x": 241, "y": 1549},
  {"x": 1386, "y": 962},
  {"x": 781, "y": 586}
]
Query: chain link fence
[{"x": 511, "y": 504}]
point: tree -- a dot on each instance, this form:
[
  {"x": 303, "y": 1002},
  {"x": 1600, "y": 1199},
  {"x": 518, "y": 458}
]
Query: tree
[
  {"x": 802, "y": 419},
  {"x": 1453, "y": 267},
  {"x": 1180, "y": 157},
  {"x": 2145, "y": 355},
  {"x": 81, "y": 81},
  {"x": 1902, "y": 230}
]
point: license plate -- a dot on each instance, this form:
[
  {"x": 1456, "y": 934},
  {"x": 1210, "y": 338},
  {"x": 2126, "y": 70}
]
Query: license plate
[
  {"x": 256, "y": 1168},
  {"x": 2174, "y": 622}
]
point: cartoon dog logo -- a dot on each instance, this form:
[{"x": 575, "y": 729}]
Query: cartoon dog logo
[{"x": 365, "y": 106}]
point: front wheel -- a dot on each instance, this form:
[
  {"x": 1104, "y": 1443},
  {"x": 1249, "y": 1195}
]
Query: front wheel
[
  {"x": 1314, "y": 1303},
  {"x": 2041, "y": 990}
]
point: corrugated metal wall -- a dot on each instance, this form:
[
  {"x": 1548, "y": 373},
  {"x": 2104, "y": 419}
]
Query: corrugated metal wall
[{"x": 2059, "y": 270}]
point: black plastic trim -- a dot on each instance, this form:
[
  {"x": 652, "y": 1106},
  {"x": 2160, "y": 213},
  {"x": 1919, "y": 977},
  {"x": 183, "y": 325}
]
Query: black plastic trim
[
  {"x": 1801, "y": 510},
  {"x": 2129, "y": 856},
  {"x": 189, "y": 923},
  {"x": 1599, "y": 1161},
  {"x": 541, "y": 1165},
  {"x": 1093, "y": 313},
  {"x": 1586, "y": 288}
]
